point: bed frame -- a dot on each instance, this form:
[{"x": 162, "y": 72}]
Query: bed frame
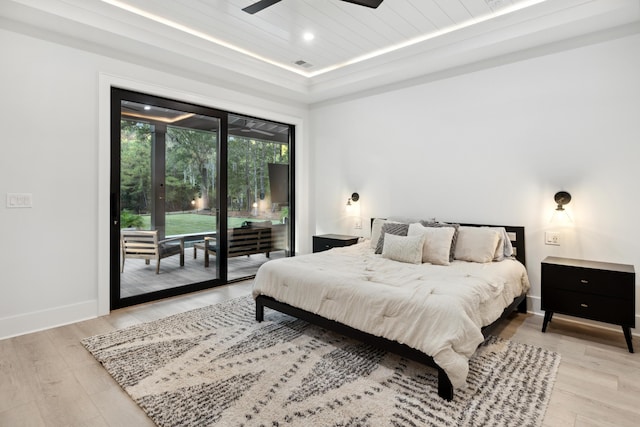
[{"x": 445, "y": 388}]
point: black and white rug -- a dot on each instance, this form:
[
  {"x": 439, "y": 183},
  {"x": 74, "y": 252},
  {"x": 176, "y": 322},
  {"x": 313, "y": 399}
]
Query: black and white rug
[{"x": 218, "y": 366}]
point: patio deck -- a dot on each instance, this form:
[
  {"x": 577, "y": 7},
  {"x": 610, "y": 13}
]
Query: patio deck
[{"x": 139, "y": 278}]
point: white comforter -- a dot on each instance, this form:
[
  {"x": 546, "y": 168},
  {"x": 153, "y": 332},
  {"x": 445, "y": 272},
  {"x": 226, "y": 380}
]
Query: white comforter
[{"x": 438, "y": 310}]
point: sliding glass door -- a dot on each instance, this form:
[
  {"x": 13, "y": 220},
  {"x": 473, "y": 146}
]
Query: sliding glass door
[
  {"x": 200, "y": 197},
  {"x": 166, "y": 194},
  {"x": 258, "y": 188}
]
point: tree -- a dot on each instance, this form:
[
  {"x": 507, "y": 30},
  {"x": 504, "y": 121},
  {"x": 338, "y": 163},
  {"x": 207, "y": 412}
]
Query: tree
[
  {"x": 191, "y": 159},
  {"x": 247, "y": 169},
  {"x": 191, "y": 154},
  {"x": 135, "y": 166}
]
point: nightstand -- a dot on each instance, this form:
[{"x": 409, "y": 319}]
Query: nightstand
[
  {"x": 592, "y": 290},
  {"x": 327, "y": 241}
]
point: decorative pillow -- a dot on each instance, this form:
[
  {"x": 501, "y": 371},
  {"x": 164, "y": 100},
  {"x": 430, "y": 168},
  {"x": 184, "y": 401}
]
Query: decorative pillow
[
  {"x": 504, "y": 249},
  {"x": 376, "y": 231},
  {"x": 428, "y": 221},
  {"x": 476, "y": 244},
  {"x": 402, "y": 219},
  {"x": 445, "y": 224},
  {"x": 499, "y": 253},
  {"x": 508, "y": 246},
  {"x": 394, "y": 228},
  {"x": 403, "y": 248},
  {"x": 437, "y": 243}
]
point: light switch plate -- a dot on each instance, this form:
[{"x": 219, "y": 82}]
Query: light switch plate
[{"x": 19, "y": 200}]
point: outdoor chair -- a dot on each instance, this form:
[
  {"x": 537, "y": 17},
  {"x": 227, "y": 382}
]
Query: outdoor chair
[
  {"x": 252, "y": 238},
  {"x": 145, "y": 245}
]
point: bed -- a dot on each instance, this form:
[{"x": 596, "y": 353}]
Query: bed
[{"x": 435, "y": 312}]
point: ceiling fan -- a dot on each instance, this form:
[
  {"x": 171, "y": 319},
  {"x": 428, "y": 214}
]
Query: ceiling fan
[
  {"x": 263, "y": 4},
  {"x": 249, "y": 126},
  {"x": 253, "y": 130}
]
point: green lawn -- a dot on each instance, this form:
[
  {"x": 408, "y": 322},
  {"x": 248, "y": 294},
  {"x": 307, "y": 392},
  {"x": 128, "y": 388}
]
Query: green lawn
[{"x": 189, "y": 223}]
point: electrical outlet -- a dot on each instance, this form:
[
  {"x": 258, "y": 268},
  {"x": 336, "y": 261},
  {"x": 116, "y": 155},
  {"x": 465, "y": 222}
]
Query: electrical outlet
[
  {"x": 552, "y": 238},
  {"x": 357, "y": 224}
]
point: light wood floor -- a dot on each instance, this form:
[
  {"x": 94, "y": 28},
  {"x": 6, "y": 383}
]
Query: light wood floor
[{"x": 49, "y": 379}]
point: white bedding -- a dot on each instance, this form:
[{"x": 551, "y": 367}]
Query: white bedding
[{"x": 438, "y": 310}]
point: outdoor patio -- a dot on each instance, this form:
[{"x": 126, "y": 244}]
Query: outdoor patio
[{"x": 139, "y": 278}]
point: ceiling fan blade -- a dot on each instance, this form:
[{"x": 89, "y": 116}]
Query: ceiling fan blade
[
  {"x": 258, "y": 6},
  {"x": 368, "y": 3}
]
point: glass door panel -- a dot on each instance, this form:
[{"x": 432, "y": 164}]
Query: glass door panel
[
  {"x": 258, "y": 188},
  {"x": 168, "y": 200}
]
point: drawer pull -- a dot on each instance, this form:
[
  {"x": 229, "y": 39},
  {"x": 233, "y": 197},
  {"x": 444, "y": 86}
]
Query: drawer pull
[
  {"x": 584, "y": 305},
  {"x": 584, "y": 281}
]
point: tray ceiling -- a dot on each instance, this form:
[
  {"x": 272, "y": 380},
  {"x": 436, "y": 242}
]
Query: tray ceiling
[
  {"x": 343, "y": 33},
  {"x": 353, "y": 48}
]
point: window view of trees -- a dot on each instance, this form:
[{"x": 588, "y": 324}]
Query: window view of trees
[
  {"x": 248, "y": 173},
  {"x": 190, "y": 169},
  {"x": 190, "y": 174},
  {"x": 135, "y": 175}
]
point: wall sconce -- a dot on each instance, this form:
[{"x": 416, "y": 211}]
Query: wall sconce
[
  {"x": 352, "y": 208},
  {"x": 562, "y": 198},
  {"x": 560, "y": 216}
]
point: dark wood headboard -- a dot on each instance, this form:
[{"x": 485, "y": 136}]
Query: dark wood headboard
[{"x": 516, "y": 234}]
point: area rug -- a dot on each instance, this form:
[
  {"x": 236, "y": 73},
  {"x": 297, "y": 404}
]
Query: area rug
[{"x": 217, "y": 366}]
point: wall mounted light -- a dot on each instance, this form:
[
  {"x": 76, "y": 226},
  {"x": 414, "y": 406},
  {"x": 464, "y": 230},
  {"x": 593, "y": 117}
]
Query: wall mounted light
[
  {"x": 353, "y": 210},
  {"x": 560, "y": 215},
  {"x": 562, "y": 198},
  {"x": 354, "y": 198}
]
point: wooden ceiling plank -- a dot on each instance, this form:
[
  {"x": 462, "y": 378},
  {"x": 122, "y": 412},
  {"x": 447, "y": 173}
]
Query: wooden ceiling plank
[{"x": 455, "y": 10}]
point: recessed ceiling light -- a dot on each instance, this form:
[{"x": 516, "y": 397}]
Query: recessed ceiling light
[
  {"x": 147, "y": 107},
  {"x": 308, "y": 36}
]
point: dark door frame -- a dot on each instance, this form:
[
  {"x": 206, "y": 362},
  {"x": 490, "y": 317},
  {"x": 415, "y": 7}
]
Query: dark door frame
[{"x": 117, "y": 95}]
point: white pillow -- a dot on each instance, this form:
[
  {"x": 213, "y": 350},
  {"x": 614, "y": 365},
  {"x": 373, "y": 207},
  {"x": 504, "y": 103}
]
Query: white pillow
[
  {"x": 499, "y": 253},
  {"x": 504, "y": 249},
  {"x": 476, "y": 244},
  {"x": 403, "y": 248},
  {"x": 508, "y": 246},
  {"x": 437, "y": 243}
]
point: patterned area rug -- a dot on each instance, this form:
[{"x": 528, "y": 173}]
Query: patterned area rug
[{"x": 218, "y": 366}]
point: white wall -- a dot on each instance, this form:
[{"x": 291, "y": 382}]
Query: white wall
[
  {"x": 494, "y": 146},
  {"x": 52, "y": 113}
]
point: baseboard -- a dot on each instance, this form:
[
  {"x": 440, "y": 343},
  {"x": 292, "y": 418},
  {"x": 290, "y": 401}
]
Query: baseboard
[
  {"x": 46, "y": 319},
  {"x": 533, "y": 304}
]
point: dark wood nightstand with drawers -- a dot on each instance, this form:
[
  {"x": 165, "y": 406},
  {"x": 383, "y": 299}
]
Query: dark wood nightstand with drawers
[
  {"x": 325, "y": 242},
  {"x": 600, "y": 291}
]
